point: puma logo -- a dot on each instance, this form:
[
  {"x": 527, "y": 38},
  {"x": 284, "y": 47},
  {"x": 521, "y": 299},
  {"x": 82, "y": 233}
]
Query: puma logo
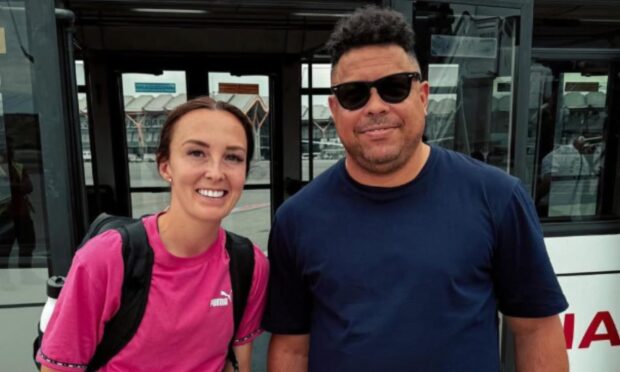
[{"x": 221, "y": 301}]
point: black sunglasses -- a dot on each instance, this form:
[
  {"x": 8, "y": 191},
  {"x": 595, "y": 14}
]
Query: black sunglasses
[{"x": 392, "y": 89}]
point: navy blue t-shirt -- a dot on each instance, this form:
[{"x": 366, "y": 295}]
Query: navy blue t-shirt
[{"x": 408, "y": 278}]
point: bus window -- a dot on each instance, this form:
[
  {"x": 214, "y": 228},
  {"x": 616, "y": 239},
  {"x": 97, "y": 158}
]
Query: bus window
[{"x": 567, "y": 136}]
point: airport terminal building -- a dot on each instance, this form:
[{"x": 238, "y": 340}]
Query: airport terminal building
[{"x": 85, "y": 87}]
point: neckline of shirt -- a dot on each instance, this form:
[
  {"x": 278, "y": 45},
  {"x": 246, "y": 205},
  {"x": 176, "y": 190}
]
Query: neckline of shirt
[
  {"x": 387, "y": 193},
  {"x": 164, "y": 257}
]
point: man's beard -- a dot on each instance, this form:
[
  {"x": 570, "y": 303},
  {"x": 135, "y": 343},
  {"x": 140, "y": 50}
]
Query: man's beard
[{"x": 382, "y": 164}]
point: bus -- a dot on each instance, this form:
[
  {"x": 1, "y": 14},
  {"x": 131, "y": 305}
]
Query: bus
[{"x": 529, "y": 86}]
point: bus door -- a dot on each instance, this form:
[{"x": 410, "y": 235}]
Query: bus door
[
  {"x": 469, "y": 55},
  {"x": 551, "y": 119}
]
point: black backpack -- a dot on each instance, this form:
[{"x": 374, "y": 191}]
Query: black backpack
[{"x": 138, "y": 266}]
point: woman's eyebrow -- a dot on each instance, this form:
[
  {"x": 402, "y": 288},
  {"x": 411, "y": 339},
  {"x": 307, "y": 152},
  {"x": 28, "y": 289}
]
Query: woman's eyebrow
[
  {"x": 204, "y": 144},
  {"x": 196, "y": 142},
  {"x": 236, "y": 148}
]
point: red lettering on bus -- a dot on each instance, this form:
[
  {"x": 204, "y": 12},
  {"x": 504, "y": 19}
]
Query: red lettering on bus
[
  {"x": 610, "y": 334},
  {"x": 569, "y": 329}
]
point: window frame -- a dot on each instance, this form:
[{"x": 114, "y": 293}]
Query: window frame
[{"x": 310, "y": 91}]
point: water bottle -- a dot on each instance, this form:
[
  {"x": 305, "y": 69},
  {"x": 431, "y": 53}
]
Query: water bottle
[{"x": 54, "y": 285}]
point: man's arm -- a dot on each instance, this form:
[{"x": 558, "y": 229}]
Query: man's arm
[
  {"x": 288, "y": 353},
  {"x": 539, "y": 344}
]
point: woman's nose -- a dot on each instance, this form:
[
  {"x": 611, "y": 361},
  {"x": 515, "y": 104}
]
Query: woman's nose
[{"x": 214, "y": 171}]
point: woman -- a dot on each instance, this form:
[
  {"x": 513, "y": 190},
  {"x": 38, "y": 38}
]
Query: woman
[{"x": 204, "y": 154}]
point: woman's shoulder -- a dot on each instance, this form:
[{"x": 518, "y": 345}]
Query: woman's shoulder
[{"x": 101, "y": 252}]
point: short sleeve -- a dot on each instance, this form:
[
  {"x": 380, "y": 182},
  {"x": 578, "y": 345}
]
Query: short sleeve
[
  {"x": 289, "y": 303},
  {"x": 90, "y": 296},
  {"x": 526, "y": 285},
  {"x": 250, "y": 328}
]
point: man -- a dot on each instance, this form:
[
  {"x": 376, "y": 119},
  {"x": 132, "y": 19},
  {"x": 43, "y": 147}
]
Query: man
[{"x": 399, "y": 257}]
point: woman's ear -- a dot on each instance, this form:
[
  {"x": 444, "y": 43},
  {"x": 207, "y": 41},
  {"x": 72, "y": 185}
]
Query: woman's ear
[{"x": 164, "y": 171}]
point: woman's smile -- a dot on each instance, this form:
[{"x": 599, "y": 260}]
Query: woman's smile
[{"x": 212, "y": 193}]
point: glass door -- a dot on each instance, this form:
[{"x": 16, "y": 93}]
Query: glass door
[{"x": 471, "y": 54}]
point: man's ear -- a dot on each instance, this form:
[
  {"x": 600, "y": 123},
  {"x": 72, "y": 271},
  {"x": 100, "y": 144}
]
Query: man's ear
[
  {"x": 424, "y": 92},
  {"x": 333, "y": 104}
]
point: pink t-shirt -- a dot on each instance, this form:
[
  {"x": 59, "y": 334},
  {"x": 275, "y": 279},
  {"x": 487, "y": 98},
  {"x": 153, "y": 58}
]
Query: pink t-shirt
[{"x": 188, "y": 321}]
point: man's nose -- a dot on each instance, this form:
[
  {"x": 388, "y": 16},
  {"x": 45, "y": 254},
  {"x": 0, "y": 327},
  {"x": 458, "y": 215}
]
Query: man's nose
[{"x": 375, "y": 104}]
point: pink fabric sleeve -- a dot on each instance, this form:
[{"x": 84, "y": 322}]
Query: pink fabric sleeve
[
  {"x": 90, "y": 297},
  {"x": 249, "y": 328}
]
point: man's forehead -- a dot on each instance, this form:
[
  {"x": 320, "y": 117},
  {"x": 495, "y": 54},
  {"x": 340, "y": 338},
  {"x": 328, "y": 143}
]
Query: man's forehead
[{"x": 357, "y": 62}]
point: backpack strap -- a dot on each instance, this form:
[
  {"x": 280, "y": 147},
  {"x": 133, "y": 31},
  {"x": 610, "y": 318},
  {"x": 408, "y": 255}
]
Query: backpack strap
[
  {"x": 138, "y": 267},
  {"x": 104, "y": 222},
  {"x": 241, "y": 253}
]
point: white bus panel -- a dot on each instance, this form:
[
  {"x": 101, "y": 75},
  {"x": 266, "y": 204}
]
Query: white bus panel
[{"x": 589, "y": 273}]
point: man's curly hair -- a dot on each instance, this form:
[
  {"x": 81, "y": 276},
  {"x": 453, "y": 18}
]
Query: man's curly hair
[{"x": 370, "y": 25}]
